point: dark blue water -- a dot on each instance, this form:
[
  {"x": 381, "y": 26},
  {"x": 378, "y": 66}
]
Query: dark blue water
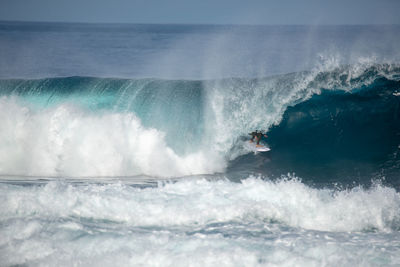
[
  {"x": 337, "y": 137},
  {"x": 126, "y": 144}
]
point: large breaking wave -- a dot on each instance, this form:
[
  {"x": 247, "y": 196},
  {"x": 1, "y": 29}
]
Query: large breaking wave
[{"x": 86, "y": 126}]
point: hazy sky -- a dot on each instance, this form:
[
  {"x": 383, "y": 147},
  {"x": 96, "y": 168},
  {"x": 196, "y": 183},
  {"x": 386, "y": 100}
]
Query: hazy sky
[{"x": 205, "y": 11}]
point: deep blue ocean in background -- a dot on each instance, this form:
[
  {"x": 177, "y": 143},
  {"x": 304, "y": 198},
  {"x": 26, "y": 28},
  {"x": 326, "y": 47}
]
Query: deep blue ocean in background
[{"x": 126, "y": 144}]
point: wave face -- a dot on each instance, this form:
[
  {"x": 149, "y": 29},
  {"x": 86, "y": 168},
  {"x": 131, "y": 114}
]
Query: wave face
[
  {"x": 82, "y": 126},
  {"x": 358, "y": 130},
  {"x": 347, "y": 133}
]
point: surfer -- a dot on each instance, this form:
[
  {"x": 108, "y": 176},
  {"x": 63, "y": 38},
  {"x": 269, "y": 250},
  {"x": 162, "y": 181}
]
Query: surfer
[{"x": 258, "y": 135}]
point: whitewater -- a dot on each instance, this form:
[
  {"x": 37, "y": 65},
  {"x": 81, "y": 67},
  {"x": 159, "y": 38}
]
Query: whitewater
[{"x": 125, "y": 145}]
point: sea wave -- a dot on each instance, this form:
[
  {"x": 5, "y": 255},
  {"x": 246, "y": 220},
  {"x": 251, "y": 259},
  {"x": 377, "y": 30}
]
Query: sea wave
[{"x": 82, "y": 126}]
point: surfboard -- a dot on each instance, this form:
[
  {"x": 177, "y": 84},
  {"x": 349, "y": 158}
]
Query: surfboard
[{"x": 253, "y": 147}]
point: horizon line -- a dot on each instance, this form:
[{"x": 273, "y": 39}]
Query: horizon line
[{"x": 188, "y": 24}]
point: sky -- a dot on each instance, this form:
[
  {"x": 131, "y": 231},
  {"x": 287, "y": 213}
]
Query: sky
[{"x": 271, "y": 12}]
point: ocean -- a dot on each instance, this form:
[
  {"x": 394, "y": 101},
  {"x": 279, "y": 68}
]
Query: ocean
[{"x": 125, "y": 145}]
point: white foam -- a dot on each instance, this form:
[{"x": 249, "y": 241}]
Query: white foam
[
  {"x": 66, "y": 141},
  {"x": 198, "y": 223},
  {"x": 198, "y": 202}
]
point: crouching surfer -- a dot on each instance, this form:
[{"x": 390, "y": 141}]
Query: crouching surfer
[{"x": 258, "y": 136}]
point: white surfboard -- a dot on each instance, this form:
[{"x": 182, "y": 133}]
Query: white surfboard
[{"x": 253, "y": 147}]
